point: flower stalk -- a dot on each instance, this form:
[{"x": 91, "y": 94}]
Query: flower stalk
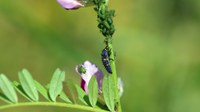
[
  {"x": 114, "y": 75},
  {"x": 106, "y": 26}
]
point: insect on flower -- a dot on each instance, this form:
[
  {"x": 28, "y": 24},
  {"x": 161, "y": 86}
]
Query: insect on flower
[
  {"x": 105, "y": 54},
  {"x": 86, "y": 71}
]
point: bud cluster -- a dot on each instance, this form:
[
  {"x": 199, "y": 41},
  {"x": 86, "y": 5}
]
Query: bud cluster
[{"x": 104, "y": 18}]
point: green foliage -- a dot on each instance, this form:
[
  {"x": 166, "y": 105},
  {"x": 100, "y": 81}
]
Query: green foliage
[
  {"x": 93, "y": 91},
  {"x": 109, "y": 92},
  {"x": 8, "y": 90},
  {"x": 82, "y": 96},
  {"x": 157, "y": 44},
  {"x": 56, "y": 86},
  {"x": 28, "y": 85},
  {"x": 107, "y": 28},
  {"x": 70, "y": 90},
  {"x": 29, "y": 89},
  {"x": 42, "y": 90},
  {"x": 20, "y": 90},
  {"x": 64, "y": 97}
]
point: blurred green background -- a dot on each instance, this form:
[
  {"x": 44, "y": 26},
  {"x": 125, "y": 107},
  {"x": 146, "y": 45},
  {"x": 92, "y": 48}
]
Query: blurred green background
[{"x": 157, "y": 44}]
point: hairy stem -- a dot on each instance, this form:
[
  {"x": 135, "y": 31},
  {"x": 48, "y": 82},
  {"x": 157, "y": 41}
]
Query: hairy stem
[
  {"x": 106, "y": 26},
  {"x": 114, "y": 75},
  {"x": 108, "y": 42}
]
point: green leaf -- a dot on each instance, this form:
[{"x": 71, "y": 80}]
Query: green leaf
[
  {"x": 19, "y": 89},
  {"x": 8, "y": 89},
  {"x": 56, "y": 86},
  {"x": 93, "y": 91},
  {"x": 42, "y": 90},
  {"x": 109, "y": 92},
  {"x": 70, "y": 91},
  {"x": 64, "y": 97},
  {"x": 4, "y": 98},
  {"x": 82, "y": 96},
  {"x": 28, "y": 84}
]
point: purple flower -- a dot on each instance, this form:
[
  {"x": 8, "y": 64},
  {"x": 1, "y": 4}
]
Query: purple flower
[
  {"x": 70, "y": 4},
  {"x": 86, "y": 71}
]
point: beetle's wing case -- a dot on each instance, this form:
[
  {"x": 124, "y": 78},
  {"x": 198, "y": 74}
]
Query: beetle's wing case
[{"x": 105, "y": 60}]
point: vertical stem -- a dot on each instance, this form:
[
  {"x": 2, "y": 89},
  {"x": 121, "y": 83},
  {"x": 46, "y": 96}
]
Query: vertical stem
[
  {"x": 114, "y": 75},
  {"x": 113, "y": 67},
  {"x": 106, "y": 26}
]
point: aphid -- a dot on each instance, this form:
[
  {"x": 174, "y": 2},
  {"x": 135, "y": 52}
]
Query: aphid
[{"x": 105, "y": 60}]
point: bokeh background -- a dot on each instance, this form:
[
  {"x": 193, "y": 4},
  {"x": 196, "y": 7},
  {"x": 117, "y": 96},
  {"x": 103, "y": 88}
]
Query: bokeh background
[{"x": 157, "y": 44}]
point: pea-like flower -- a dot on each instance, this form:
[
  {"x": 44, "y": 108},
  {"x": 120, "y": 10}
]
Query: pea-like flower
[
  {"x": 86, "y": 71},
  {"x": 71, "y": 4}
]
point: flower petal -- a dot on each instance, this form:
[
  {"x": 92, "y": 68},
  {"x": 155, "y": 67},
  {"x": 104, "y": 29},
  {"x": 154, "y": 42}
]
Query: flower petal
[
  {"x": 86, "y": 71},
  {"x": 83, "y": 86},
  {"x": 70, "y": 4}
]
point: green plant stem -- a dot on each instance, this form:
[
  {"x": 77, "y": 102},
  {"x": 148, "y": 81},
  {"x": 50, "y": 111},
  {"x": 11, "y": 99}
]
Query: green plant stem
[
  {"x": 65, "y": 105},
  {"x": 114, "y": 75},
  {"x": 108, "y": 42},
  {"x": 106, "y": 26}
]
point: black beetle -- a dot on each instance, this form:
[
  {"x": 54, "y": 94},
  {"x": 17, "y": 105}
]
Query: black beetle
[{"x": 106, "y": 60}]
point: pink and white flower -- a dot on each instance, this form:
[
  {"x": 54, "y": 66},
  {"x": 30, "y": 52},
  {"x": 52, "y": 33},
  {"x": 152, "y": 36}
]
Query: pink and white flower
[
  {"x": 86, "y": 71},
  {"x": 70, "y": 4}
]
